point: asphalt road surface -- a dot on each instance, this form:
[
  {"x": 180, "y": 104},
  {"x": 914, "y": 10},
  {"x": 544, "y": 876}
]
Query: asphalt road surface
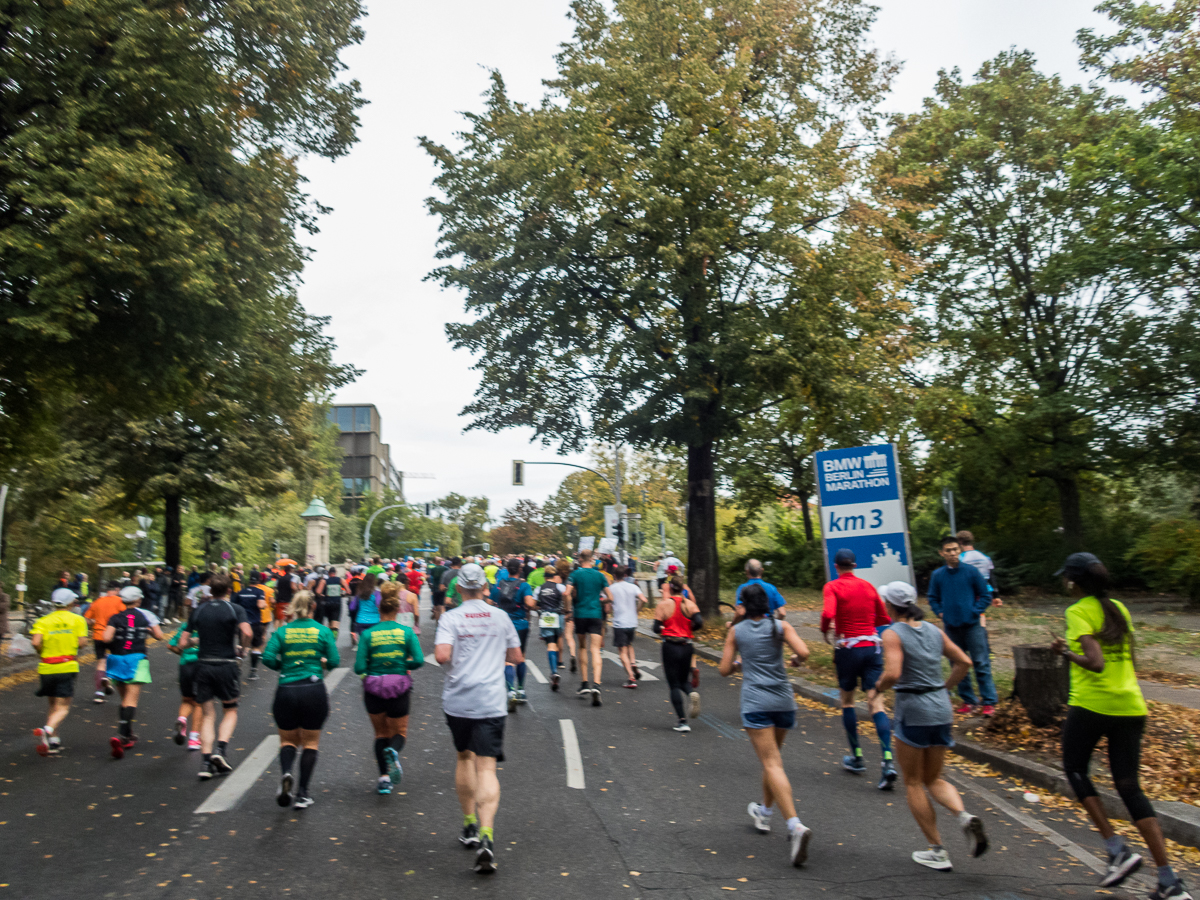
[{"x": 640, "y": 812}]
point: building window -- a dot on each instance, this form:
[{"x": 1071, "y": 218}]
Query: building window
[
  {"x": 345, "y": 418},
  {"x": 356, "y": 487},
  {"x": 362, "y": 418}
]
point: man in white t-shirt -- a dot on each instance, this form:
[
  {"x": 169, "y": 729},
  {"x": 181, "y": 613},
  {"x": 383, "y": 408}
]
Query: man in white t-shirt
[
  {"x": 980, "y": 561},
  {"x": 474, "y": 641},
  {"x": 627, "y": 599}
]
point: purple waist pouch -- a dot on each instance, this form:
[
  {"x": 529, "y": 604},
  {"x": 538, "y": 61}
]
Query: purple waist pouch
[{"x": 387, "y": 686}]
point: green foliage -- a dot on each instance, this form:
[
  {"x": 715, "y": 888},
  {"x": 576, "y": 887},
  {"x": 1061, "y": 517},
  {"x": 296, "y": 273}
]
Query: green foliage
[
  {"x": 1170, "y": 554},
  {"x": 523, "y": 530},
  {"x": 782, "y": 544}
]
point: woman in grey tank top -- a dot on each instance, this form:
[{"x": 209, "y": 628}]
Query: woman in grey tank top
[
  {"x": 768, "y": 707},
  {"x": 912, "y": 664}
]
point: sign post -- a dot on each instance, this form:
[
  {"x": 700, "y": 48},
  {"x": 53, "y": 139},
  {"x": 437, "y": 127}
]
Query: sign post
[{"x": 862, "y": 510}]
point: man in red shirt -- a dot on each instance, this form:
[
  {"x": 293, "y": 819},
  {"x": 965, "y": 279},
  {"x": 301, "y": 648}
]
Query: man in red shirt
[{"x": 854, "y": 610}]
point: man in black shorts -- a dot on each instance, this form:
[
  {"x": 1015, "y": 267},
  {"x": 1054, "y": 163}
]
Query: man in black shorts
[
  {"x": 253, "y": 599},
  {"x": 437, "y": 593},
  {"x": 221, "y": 631}
]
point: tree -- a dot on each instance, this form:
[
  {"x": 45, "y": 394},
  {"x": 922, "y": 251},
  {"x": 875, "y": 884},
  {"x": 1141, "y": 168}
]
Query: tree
[
  {"x": 637, "y": 248},
  {"x": 150, "y": 194},
  {"x": 1050, "y": 359},
  {"x": 469, "y": 515},
  {"x": 522, "y": 530}
]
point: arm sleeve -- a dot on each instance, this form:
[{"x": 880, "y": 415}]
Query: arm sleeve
[
  {"x": 271, "y": 653},
  {"x": 935, "y": 594},
  {"x": 829, "y": 610},
  {"x": 329, "y": 646},
  {"x": 416, "y": 656},
  {"x": 360, "y": 658}
]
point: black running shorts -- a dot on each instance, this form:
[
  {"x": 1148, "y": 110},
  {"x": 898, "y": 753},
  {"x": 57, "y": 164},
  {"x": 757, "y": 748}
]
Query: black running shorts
[
  {"x": 258, "y": 634},
  {"x": 392, "y": 707},
  {"x": 217, "y": 681},
  {"x": 304, "y": 704},
  {"x": 483, "y": 737},
  {"x": 101, "y": 649},
  {"x": 623, "y": 637},
  {"x": 589, "y": 626},
  {"x": 187, "y": 679},
  {"x": 59, "y": 684}
]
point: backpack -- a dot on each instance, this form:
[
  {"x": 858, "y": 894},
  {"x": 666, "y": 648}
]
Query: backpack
[
  {"x": 283, "y": 589},
  {"x": 507, "y": 600},
  {"x": 548, "y": 597}
]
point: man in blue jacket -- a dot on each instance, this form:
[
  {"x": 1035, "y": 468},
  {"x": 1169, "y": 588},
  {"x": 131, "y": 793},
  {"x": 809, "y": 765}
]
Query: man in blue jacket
[{"x": 957, "y": 595}]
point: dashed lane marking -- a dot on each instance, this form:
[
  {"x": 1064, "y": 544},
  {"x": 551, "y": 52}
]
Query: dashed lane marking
[
  {"x": 571, "y": 752},
  {"x": 537, "y": 673}
]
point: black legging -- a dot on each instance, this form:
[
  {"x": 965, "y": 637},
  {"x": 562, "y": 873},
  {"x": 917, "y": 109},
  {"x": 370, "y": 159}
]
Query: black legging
[
  {"x": 1082, "y": 732},
  {"x": 677, "y": 667}
]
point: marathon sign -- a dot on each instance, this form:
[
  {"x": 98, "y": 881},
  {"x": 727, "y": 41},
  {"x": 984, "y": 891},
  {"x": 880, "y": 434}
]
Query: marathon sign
[{"x": 862, "y": 510}]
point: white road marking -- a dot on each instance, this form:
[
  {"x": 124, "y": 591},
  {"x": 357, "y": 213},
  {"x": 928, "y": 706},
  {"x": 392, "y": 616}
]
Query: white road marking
[
  {"x": 234, "y": 786},
  {"x": 646, "y": 676},
  {"x": 431, "y": 661},
  {"x": 571, "y": 751},
  {"x": 537, "y": 673}
]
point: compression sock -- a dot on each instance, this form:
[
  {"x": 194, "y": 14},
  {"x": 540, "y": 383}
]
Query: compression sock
[
  {"x": 850, "y": 723},
  {"x": 883, "y": 726},
  {"x": 287, "y": 757},
  {"x": 1114, "y": 844},
  {"x": 221, "y": 745},
  {"x": 469, "y": 819},
  {"x": 308, "y": 762},
  {"x": 486, "y": 833},
  {"x": 100, "y": 673},
  {"x": 255, "y": 656},
  {"x": 1167, "y": 876},
  {"x": 381, "y": 744},
  {"x": 398, "y": 741},
  {"x": 553, "y": 654},
  {"x": 125, "y": 722},
  {"x": 509, "y": 675},
  {"x": 521, "y": 670}
]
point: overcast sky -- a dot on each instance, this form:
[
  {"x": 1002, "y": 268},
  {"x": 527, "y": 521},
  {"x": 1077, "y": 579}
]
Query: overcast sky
[{"x": 420, "y": 66}]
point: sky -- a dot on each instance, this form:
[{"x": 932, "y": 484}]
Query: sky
[{"x": 421, "y": 66}]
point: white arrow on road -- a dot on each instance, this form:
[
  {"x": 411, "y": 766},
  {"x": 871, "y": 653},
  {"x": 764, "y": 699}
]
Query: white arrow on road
[{"x": 646, "y": 676}]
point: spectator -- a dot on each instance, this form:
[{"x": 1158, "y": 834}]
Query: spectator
[{"x": 957, "y": 595}]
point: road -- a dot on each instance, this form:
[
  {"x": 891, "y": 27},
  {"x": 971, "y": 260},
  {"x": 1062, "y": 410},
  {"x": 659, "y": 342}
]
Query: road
[{"x": 657, "y": 814}]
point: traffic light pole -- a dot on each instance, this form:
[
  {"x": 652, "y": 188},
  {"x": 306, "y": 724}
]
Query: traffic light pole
[{"x": 615, "y": 488}]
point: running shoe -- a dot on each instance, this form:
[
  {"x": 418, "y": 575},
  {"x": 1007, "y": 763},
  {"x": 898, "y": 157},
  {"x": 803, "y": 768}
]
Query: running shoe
[
  {"x": 630, "y": 684},
  {"x": 107, "y": 683},
  {"x": 977, "y": 841},
  {"x": 596, "y": 696},
  {"x": 116, "y": 747},
  {"x": 987, "y": 711},
  {"x": 395, "y": 772},
  {"x": 584, "y": 690},
  {"x": 521, "y": 696},
  {"x": 762, "y": 820},
  {"x": 637, "y": 673},
  {"x": 303, "y": 801},
  {"x": 485, "y": 857},
  {"x": 1121, "y": 867},
  {"x": 887, "y": 779},
  {"x": 855, "y": 764},
  {"x": 934, "y": 859},
  {"x": 798, "y": 844},
  {"x": 554, "y": 680},
  {"x": 1174, "y": 891},
  {"x": 207, "y": 772},
  {"x": 219, "y": 765},
  {"x": 98, "y": 697},
  {"x": 693, "y": 705},
  {"x": 181, "y": 731},
  {"x": 965, "y": 710},
  {"x": 682, "y": 728},
  {"x": 43, "y": 736},
  {"x": 130, "y": 742},
  {"x": 194, "y": 740},
  {"x": 253, "y": 676},
  {"x": 572, "y": 664},
  {"x": 512, "y": 701},
  {"x": 284, "y": 795},
  {"x": 384, "y": 785},
  {"x": 469, "y": 836},
  {"x": 55, "y": 746}
]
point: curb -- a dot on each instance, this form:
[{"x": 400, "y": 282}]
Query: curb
[{"x": 1179, "y": 821}]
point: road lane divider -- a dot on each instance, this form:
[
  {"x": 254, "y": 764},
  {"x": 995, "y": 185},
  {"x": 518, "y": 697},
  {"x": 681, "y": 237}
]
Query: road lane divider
[
  {"x": 571, "y": 752},
  {"x": 536, "y": 672},
  {"x": 235, "y": 785}
]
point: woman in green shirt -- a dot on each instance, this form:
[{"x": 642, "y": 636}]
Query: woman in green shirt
[
  {"x": 300, "y": 651},
  {"x": 1106, "y": 701},
  {"x": 387, "y": 652}
]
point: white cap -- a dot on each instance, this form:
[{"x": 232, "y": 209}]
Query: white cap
[
  {"x": 471, "y": 577},
  {"x": 899, "y": 593},
  {"x": 63, "y": 597},
  {"x": 131, "y": 594}
]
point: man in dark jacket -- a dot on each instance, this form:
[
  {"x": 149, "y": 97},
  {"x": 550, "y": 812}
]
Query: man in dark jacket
[{"x": 957, "y": 595}]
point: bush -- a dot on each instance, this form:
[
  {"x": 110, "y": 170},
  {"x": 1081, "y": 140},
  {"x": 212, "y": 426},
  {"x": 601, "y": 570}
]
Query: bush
[{"x": 1169, "y": 553}]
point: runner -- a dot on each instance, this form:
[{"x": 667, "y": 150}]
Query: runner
[
  {"x": 514, "y": 595},
  {"x": 853, "y": 611},
  {"x": 473, "y": 642},
  {"x": 913, "y": 652},
  {"x": 188, "y": 707},
  {"x": 365, "y": 607},
  {"x": 564, "y": 567},
  {"x": 253, "y": 599},
  {"x": 675, "y": 618},
  {"x": 298, "y": 651},
  {"x": 58, "y": 637},
  {"x": 102, "y": 609},
  {"x": 1106, "y": 702},
  {"x": 768, "y": 707},
  {"x": 437, "y": 591},
  {"x": 449, "y": 577},
  {"x": 328, "y": 592},
  {"x": 221, "y": 633},
  {"x": 588, "y": 593},
  {"x": 387, "y": 652},
  {"x": 627, "y": 599},
  {"x": 551, "y": 612},
  {"x": 128, "y": 666}
]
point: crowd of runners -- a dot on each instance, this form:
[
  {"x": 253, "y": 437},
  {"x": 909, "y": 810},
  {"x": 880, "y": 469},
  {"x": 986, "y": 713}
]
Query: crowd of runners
[{"x": 484, "y": 612}]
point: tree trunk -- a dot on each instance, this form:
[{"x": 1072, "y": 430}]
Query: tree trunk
[
  {"x": 1068, "y": 505},
  {"x": 172, "y": 531},
  {"x": 704, "y": 574},
  {"x": 808, "y": 526}
]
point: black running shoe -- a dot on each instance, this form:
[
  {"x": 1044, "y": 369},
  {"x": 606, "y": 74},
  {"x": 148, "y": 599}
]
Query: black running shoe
[
  {"x": 485, "y": 857},
  {"x": 554, "y": 679},
  {"x": 219, "y": 765},
  {"x": 284, "y": 796},
  {"x": 303, "y": 801},
  {"x": 1174, "y": 891},
  {"x": 595, "y": 696},
  {"x": 572, "y": 664},
  {"x": 469, "y": 836},
  {"x": 1121, "y": 867},
  {"x": 583, "y": 689}
]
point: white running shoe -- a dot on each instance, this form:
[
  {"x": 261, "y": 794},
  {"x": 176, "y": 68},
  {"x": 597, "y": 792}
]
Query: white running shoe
[
  {"x": 1121, "y": 867},
  {"x": 798, "y": 844},
  {"x": 693, "y": 704},
  {"x": 682, "y": 728},
  {"x": 303, "y": 801},
  {"x": 762, "y": 820},
  {"x": 934, "y": 859}
]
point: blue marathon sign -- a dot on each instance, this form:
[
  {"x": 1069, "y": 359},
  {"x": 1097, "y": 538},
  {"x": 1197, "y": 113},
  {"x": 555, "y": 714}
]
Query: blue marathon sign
[{"x": 862, "y": 510}]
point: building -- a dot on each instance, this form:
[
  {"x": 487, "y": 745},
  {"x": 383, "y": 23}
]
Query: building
[{"x": 366, "y": 460}]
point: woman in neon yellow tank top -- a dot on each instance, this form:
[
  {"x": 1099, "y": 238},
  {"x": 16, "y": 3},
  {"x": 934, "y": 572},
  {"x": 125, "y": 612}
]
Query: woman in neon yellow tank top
[{"x": 1106, "y": 701}]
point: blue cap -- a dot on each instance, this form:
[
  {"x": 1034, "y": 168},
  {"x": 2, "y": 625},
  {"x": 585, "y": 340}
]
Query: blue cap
[{"x": 844, "y": 557}]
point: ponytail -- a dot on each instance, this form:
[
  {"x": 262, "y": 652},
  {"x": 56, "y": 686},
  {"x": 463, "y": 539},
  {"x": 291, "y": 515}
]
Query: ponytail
[{"x": 1094, "y": 581}]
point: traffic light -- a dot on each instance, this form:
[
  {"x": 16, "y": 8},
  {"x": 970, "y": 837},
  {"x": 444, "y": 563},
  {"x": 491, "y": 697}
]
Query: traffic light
[
  {"x": 620, "y": 533},
  {"x": 428, "y": 510},
  {"x": 518, "y": 472},
  {"x": 276, "y": 549}
]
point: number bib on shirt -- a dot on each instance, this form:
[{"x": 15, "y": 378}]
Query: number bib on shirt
[
  {"x": 406, "y": 619},
  {"x": 549, "y": 620}
]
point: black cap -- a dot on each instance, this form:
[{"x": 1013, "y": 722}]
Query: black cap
[
  {"x": 844, "y": 557},
  {"x": 1079, "y": 562}
]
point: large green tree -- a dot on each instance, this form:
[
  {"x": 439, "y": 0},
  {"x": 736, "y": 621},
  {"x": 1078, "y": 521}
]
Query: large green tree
[{"x": 636, "y": 249}]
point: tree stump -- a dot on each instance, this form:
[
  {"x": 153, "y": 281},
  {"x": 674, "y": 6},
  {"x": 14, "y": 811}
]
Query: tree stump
[{"x": 1042, "y": 682}]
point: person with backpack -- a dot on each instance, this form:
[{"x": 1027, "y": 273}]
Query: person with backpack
[
  {"x": 329, "y": 591},
  {"x": 251, "y": 598},
  {"x": 513, "y": 594},
  {"x": 551, "y": 611},
  {"x": 365, "y": 608}
]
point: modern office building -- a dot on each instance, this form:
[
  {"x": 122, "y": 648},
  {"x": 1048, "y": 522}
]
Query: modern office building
[{"x": 366, "y": 460}]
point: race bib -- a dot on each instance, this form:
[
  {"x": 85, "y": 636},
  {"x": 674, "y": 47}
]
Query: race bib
[
  {"x": 408, "y": 619},
  {"x": 549, "y": 620}
]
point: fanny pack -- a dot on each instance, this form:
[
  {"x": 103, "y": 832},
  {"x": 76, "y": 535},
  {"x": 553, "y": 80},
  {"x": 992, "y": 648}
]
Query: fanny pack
[
  {"x": 924, "y": 690},
  {"x": 58, "y": 660},
  {"x": 387, "y": 686},
  {"x": 675, "y": 639}
]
